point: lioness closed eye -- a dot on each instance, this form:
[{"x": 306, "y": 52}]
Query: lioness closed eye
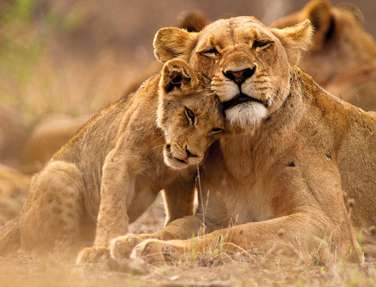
[{"x": 112, "y": 170}]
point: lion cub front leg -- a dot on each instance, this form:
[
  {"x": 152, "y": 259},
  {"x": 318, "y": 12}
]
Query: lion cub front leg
[
  {"x": 179, "y": 203},
  {"x": 112, "y": 221}
]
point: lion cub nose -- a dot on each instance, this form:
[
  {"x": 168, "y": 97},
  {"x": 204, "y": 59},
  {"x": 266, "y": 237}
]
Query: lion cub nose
[
  {"x": 239, "y": 76},
  {"x": 189, "y": 153}
]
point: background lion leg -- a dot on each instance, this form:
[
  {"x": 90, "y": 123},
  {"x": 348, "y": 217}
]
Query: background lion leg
[{"x": 54, "y": 208}]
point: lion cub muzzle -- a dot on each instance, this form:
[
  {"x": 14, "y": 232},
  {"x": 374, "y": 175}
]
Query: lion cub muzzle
[{"x": 180, "y": 157}]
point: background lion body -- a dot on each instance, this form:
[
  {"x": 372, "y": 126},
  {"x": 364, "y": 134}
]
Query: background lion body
[{"x": 343, "y": 56}]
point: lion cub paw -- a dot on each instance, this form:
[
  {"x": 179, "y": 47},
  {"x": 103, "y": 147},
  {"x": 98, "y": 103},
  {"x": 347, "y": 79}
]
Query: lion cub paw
[{"x": 93, "y": 255}]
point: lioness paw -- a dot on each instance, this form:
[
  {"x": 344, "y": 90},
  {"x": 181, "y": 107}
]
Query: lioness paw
[
  {"x": 122, "y": 246},
  {"x": 156, "y": 251}
]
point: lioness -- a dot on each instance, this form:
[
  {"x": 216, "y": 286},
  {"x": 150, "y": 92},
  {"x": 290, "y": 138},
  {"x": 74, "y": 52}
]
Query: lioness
[
  {"x": 343, "y": 56},
  {"x": 113, "y": 168},
  {"x": 279, "y": 175}
]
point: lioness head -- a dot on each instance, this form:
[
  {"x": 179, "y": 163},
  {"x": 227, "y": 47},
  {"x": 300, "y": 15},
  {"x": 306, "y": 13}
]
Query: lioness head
[
  {"x": 188, "y": 113},
  {"x": 247, "y": 62},
  {"x": 340, "y": 41}
]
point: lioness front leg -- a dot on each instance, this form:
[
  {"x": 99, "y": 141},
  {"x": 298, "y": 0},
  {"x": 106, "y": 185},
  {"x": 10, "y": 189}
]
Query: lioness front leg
[
  {"x": 308, "y": 230},
  {"x": 112, "y": 221},
  {"x": 310, "y": 212}
]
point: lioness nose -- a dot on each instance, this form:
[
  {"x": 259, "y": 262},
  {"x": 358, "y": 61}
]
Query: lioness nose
[{"x": 239, "y": 76}]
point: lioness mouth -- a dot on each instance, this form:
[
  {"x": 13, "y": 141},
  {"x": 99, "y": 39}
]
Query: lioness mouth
[{"x": 240, "y": 99}]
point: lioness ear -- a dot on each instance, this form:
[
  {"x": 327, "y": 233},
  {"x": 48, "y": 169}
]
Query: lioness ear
[
  {"x": 173, "y": 42},
  {"x": 319, "y": 13},
  {"x": 192, "y": 21},
  {"x": 295, "y": 39},
  {"x": 177, "y": 76}
]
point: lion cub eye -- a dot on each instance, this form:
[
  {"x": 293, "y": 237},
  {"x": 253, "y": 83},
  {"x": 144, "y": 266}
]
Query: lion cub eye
[
  {"x": 216, "y": 131},
  {"x": 261, "y": 44},
  {"x": 190, "y": 116},
  {"x": 210, "y": 53}
]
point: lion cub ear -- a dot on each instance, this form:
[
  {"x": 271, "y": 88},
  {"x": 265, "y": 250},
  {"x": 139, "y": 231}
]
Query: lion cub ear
[
  {"x": 172, "y": 42},
  {"x": 177, "y": 78},
  {"x": 295, "y": 39}
]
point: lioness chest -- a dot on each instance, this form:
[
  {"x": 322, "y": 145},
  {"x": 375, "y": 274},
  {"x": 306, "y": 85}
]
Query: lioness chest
[{"x": 234, "y": 198}]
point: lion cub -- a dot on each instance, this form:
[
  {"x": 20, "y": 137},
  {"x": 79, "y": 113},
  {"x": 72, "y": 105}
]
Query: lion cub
[{"x": 112, "y": 170}]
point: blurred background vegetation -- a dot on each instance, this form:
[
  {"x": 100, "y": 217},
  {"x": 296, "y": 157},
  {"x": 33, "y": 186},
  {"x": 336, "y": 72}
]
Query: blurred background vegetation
[{"x": 74, "y": 56}]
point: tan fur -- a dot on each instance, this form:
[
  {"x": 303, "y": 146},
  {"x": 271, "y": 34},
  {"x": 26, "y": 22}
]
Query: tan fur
[
  {"x": 13, "y": 191},
  {"x": 113, "y": 168},
  {"x": 13, "y": 133},
  {"x": 343, "y": 54},
  {"x": 279, "y": 179},
  {"x": 46, "y": 138}
]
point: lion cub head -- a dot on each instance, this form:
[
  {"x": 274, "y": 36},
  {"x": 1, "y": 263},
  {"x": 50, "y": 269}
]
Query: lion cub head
[
  {"x": 188, "y": 113},
  {"x": 248, "y": 63}
]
